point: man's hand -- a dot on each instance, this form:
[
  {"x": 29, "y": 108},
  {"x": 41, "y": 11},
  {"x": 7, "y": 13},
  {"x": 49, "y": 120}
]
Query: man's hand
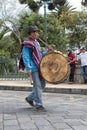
[
  {"x": 50, "y": 49},
  {"x": 30, "y": 76}
]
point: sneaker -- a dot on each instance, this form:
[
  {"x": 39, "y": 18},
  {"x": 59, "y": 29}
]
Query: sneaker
[
  {"x": 41, "y": 108},
  {"x": 29, "y": 101}
]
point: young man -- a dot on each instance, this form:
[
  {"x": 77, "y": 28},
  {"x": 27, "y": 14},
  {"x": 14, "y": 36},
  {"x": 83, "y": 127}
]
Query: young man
[
  {"x": 32, "y": 55},
  {"x": 82, "y": 59}
]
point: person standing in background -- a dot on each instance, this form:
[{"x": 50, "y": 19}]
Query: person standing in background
[
  {"x": 82, "y": 59},
  {"x": 71, "y": 62}
]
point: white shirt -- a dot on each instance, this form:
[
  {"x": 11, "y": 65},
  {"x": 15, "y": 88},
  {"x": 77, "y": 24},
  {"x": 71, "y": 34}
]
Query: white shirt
[{"x": 83, "y": 58}]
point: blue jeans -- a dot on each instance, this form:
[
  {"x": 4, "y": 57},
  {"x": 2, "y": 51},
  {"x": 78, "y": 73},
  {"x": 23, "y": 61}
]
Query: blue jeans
[
  {"x": 38, "y": 87},
  {"x": 84, "y": 72}
]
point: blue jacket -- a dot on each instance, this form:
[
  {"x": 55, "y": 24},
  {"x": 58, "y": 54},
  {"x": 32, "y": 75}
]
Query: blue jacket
[{"x": 27, "y": 59}]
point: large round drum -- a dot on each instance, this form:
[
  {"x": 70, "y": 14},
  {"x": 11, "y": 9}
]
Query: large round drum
[{"x": 54, "y": 67}]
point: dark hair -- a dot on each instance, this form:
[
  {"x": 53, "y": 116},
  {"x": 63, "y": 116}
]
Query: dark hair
[{"x": 70, "y": 52}]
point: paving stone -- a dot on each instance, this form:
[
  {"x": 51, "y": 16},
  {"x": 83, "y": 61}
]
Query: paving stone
[
  {"x": 41, "y": 121},
  {"x": 11, "y": 128},
  {"x": 1, "y": 118},
  {"x": 64, "y": 112},
  {"x": 24, "y": 120},
  {"x": 9, "y": 116},
  {"x": 46, "y": 127},
  {"x": 72, "y": 122},
  {"x": 26, "y": 126},
  {"x": 80, "y": 127},
  {"x": 61, "y": 125},
  {"x": 1, "y": 126},
  {"x": 55, "y": 119},
  {"x": 10, "y": 122}
]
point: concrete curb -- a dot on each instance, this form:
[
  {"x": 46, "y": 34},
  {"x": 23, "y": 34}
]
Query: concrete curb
[{"x": 47, "y": 89}]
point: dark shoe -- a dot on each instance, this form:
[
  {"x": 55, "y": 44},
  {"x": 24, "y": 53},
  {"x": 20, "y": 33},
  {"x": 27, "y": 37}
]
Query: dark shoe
[
  {"x": 29, "y": 101},
  {"x": 85, "y": 81},
  {"x": 41, "y": 108},
  {"x": 70, "y": 82}
]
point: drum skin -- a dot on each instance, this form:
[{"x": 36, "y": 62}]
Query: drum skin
[{"x": 54, "y": 67}]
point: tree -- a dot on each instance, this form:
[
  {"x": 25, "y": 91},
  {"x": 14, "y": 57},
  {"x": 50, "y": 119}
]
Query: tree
[
  {"x": 35, "y": 5},
  {"x": 8, "y": 18},
  {"x": 84, "y": 3},
  {"x": 63, "y": 15},
  {"x": 78, "y": 29}
]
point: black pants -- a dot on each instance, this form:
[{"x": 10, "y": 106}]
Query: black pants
[{"x": 72, "y": 72}]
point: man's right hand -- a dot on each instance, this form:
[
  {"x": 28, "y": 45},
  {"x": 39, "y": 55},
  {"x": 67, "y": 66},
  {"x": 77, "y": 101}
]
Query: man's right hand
[{"x": 30, "y": 76}]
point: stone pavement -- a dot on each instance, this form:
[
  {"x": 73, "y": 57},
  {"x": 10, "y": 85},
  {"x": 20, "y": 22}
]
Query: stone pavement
[
  {"x": 57, "y": 88},
  {"x": 64, "y": 112}
]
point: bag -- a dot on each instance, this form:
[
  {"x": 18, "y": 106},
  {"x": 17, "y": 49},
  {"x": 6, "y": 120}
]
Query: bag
[{"x": 21, "y": 63}]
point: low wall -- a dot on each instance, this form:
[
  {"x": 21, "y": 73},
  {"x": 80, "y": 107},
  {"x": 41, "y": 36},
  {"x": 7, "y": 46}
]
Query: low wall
[{"x": 78, "y": 77}]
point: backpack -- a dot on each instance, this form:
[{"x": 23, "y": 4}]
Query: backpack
[{"x": 21, "y": 63}]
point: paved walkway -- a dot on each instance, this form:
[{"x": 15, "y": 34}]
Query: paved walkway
[
  {"x": 64, "y": 112},
  {"x": 57, "y": 88}
]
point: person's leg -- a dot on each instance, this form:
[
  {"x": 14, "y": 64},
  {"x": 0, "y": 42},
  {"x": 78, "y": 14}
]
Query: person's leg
[
  {"x": 43, "y": 84},
  {"x": 37, "y": 91},
  {"x": 38, "y": 87},
  {"x": 72, "y": 72},
  {"x": 85, "y": 73},
  {"x": 82, "y": 71},
  {"x": 30, "y": 97},
  {"x": 70, "y": 75}
]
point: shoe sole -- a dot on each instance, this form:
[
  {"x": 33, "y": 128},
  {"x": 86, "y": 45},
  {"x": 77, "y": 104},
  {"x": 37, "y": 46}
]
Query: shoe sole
[
  {"x": 29, "y": 102},
  {"x": 41, "y": 110}
]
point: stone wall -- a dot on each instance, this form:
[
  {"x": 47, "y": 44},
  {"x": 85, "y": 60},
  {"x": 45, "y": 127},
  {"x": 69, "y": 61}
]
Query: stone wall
[{"x": 78, "y": 77}]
